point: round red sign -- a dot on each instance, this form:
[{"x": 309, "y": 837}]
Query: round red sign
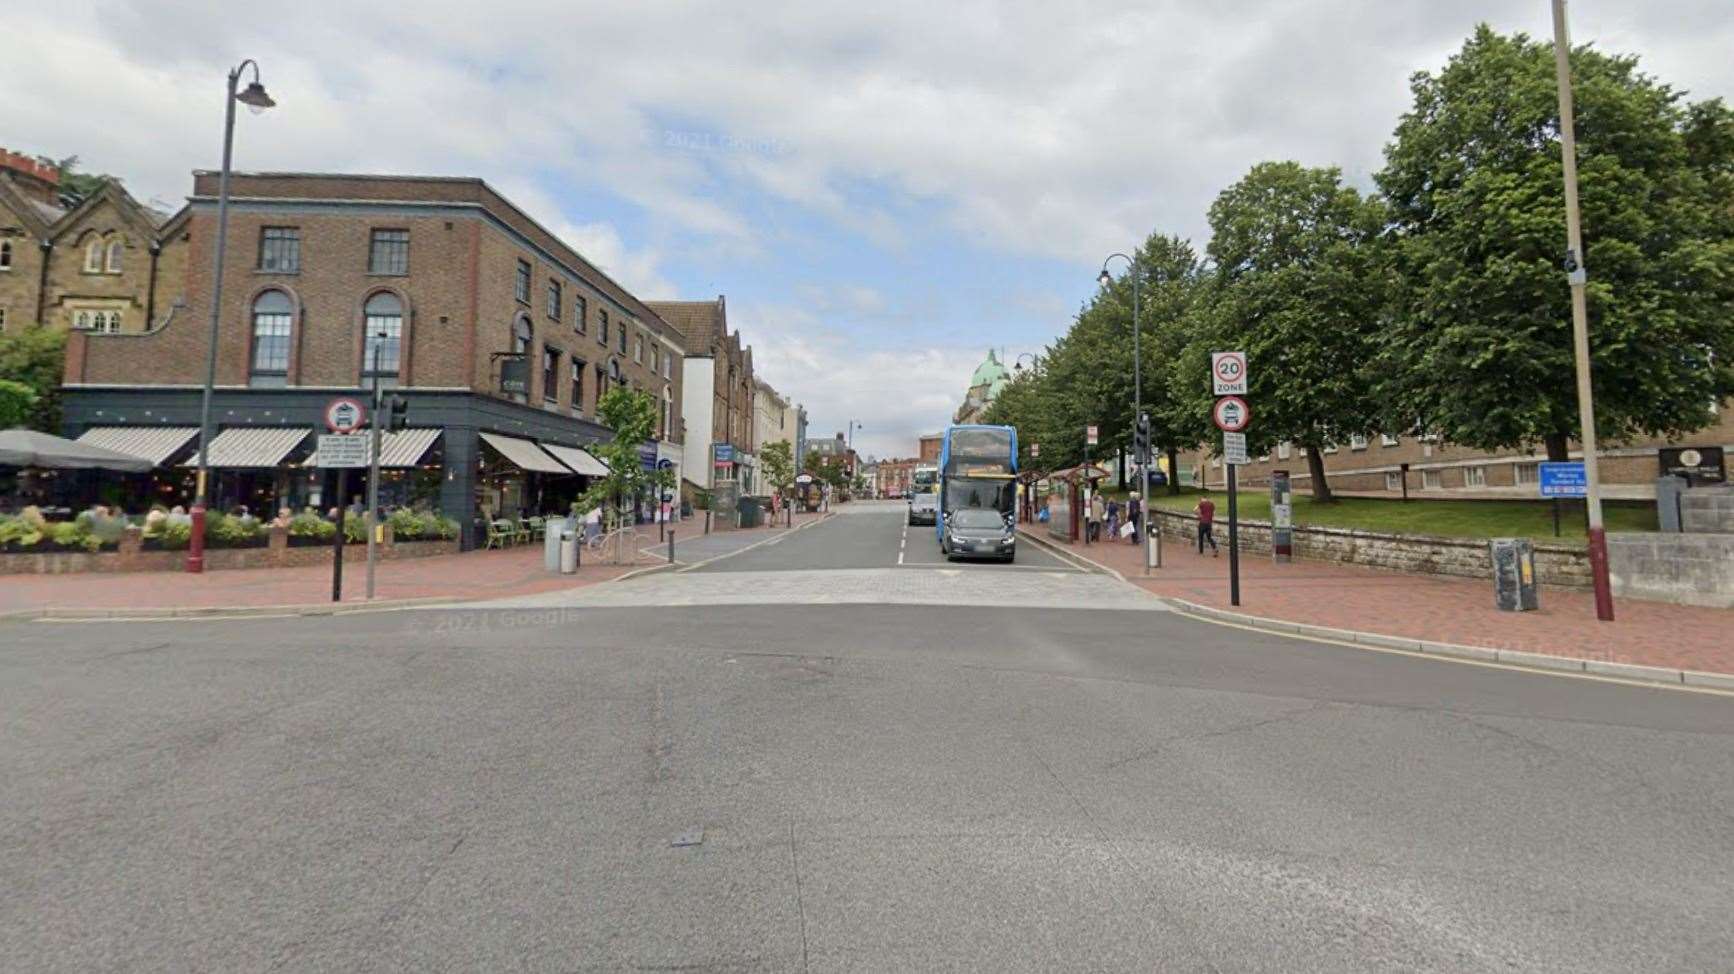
[
  {"x": 345, "y": 415},
  {"x": 1231, "y": 414}
]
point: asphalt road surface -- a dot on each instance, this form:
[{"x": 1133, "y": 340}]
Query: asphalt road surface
[{"x": 817, "y": 784}]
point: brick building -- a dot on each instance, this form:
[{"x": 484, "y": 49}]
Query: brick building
[
  {"x": 499, "y": 335},
  {"x": 930, "y": 447},
  {"x": 1375, "y": 466},
  {"x": 895, "y": 477},
  {"x": 718, "y": 394},
  {"x": 105, "y": 264}
]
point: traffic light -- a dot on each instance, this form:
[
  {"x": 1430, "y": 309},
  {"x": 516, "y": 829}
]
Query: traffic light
[
  {"x": 399, "y": 414},
  {"x": 1141, "y": 440}
]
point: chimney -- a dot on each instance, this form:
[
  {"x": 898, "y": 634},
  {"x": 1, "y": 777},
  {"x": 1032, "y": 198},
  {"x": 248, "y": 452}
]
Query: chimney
[{"x": 37, "y": 180}]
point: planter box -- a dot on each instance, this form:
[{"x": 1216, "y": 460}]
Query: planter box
[{"x": 276, "y": 552}]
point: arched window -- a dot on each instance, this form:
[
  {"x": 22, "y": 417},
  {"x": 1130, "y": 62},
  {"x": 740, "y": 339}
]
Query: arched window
[
  {"x": 273, "y": 323},
  {"x": 522, "y": 336},
  {"x": 614, "y": 372},
  {"x": 81, "y": 321},
  {"x": 93, "y": 257},
  {"x": 5, "y": 255},
  {"x": 383, "y": 351},
  {"x": 116, "y": 251},
  {"x": 667, "y": 411}
]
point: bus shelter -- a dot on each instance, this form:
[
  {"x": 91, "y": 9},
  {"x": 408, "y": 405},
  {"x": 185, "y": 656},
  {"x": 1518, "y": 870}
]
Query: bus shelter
[{"x": 1066, "y": 495}]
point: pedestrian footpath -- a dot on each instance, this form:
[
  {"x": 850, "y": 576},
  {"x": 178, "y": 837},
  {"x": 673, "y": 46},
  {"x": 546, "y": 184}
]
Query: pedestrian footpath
[{"x": 1430, "y": 607}]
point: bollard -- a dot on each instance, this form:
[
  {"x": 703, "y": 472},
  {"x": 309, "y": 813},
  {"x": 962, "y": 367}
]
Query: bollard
[
  {"x": 671, "y": 547},
  {"x": 707, "y": 521}
]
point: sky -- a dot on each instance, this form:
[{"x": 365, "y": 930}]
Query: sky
[{"x": 882, "y": 191}]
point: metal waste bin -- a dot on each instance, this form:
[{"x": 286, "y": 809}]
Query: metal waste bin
[
  {"x": 752, "y": 514},
  {"x": 1514, "y": 579},
  {"x": 568, "y": 551}
]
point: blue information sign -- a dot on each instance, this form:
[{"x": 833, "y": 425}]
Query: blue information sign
[
  {"x": 1563, "y": 479},
  {"x": 724, "y": 452}
]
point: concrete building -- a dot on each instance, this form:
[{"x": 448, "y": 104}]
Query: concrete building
[
  {"x": 773, "y": 422},
  {"x": 500, "y": 336},
  {"x": 984, "y": 386},
  {"x": 717, "y": 395},
  {"x": 107, "y": 264}
]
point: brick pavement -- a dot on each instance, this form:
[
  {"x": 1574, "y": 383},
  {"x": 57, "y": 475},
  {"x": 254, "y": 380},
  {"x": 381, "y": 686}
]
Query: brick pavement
[
  {"x": 1432, "y": 607},
  {"x": 477, "y": 575}
]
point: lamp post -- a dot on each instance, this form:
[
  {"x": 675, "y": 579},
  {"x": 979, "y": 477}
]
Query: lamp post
[
  {"x": 1578, "y": 277},
  {"x": 1152, "y": 553},
  {"x": 255, "y": 98}
]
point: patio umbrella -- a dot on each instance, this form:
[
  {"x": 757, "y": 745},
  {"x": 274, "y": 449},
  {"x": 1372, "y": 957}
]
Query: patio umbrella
[{"x": 28, "y": 448}]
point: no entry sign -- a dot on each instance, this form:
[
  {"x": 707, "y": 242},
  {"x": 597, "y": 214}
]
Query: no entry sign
[
  {"x": 1231, "y": 414},
  {"x": 1228, "y": 373}
]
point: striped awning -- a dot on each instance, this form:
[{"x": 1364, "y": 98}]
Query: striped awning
[
  {"x": 397, "y": 448},
  {"x": 525, "y": 454},
  {"x": 252, "y": 446},
  {"x": 153, "y": 443},
  {"x": 579, "y": 460}
]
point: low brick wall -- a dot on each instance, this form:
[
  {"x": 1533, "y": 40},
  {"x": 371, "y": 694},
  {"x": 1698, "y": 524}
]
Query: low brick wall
[
  {"x": 276, "y": 553},
  {"x": 1556, "y": 564},
  {"x": 1686, "y": 569}
]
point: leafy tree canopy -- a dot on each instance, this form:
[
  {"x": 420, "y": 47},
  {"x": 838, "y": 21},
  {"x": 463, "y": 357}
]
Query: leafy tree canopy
[{"x": 35, "y": 357}]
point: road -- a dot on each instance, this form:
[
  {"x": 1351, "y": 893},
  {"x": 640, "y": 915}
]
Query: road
[{"x": 861, "y": 774}]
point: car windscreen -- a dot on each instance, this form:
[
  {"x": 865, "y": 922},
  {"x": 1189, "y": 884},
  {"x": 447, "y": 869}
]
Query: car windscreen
[{"x": 975, "y": 517}]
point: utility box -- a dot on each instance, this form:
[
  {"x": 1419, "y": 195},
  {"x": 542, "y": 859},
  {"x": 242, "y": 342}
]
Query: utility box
[
  {"x": 1514, "y": 582},
  {"x": 751, "y": 512},
  {"x": 1668, "y": 491}
]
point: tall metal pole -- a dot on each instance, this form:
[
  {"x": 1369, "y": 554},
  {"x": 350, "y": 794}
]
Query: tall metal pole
[
  {"x": 196, "y": 541},
  {"x": 1578, "y": 276},
  {"x": 373, "y": 470}
]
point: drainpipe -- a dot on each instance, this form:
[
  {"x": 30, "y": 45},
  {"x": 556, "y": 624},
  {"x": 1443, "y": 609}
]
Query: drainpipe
[
  {"x": 42, "y": 281},
  {"x": 151, "y": 288}
]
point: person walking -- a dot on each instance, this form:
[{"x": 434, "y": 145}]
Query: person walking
[
  {"x": 1098, "y": 510},
  {"x": 1206, "y": 511},
  {"x": 1113, "y": 520},
  {"x": 1134, "y": 516}
]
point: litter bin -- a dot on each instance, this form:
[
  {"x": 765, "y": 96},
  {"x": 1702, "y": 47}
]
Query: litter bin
[
  {"x": 1514, "y": 581},
  {"x": 551, "y": 546},
  {"x": 751, "y": 513},
  {"x": 568, "y": 551}
]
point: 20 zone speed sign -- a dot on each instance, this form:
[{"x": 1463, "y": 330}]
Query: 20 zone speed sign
[{"x": 1228, "y": 373}]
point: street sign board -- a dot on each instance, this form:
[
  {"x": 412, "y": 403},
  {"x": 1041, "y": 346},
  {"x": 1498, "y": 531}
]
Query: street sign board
[
  {"x": 1563, "y": 479},
  {"x": 722, "y": 453},
  {"x": 1231, "y": 414},
  {"x": 345, "y": 415},
  {"x": 1234, "y": 448},
  {"x": 1228, "y": 373},
  {"x": 515, "y": 375},
  {"x": 1090, "y": 435},
  {"x": 1700, "y": 465},
  {"x": 342, "y": 450}
]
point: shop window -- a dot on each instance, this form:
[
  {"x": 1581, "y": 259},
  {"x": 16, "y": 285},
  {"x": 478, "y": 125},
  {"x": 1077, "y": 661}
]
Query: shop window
[
  {"x": 273, "y": 322},
  {"x": 388, "y": 252},
  {"x": 280, "y": 250},
  {"x": 384, "y": 347}
]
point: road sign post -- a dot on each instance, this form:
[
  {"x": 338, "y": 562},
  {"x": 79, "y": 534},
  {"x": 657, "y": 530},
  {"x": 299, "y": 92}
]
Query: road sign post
[
  {"x": 343, "y": 415},
  {"x": 1232, "y": 415},
  {"x": 1228, "y": 373}
]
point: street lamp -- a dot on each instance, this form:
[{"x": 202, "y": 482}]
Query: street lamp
[
  {"x": 256, "y": 100},
  {"x": 1578, "y": 277},
  {"x": 1152, "y": 555},
  {"x": 1035, "y": 361}
]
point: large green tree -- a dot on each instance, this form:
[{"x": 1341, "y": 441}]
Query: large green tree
[
  {"x": 631, "y": 415},
  {"x": 1480, "y": 348},
  {"x": 35, "y": 357},
  {"x": 778, "y": 460},
  {"x": 1298, "y": 285}
]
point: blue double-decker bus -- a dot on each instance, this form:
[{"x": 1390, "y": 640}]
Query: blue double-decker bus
[{"x": 978, "y": 467}]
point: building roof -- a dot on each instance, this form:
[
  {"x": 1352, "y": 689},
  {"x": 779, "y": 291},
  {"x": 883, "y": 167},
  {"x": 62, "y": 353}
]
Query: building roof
[
  {"x": 702, "y": 323},
  {"x": 990, "y": 373}
]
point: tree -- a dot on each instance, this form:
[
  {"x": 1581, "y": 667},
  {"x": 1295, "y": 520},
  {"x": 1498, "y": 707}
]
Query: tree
[
  {"x": 631, "y": 415},
  {"x": 75, "y": 187},
  {"x": 778, "y": 460},
  {"x": 1481, "y": 348},
  {"x": 1297, "y": 285},
  {"x": 35, "y": 357},
  {"x": 17, "y": 401}
]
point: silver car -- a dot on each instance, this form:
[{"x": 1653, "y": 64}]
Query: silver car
[{"x": 923, "y": 508}]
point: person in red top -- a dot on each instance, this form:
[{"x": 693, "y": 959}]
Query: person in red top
[{"x": 1206, "y": 511}]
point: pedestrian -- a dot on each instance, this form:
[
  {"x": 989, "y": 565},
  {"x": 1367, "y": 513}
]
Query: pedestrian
[
  {"x": 1113, "y": 519},
  {"x": 1134, "y": 516},
  {"x": 1098, "y": 510},
  {"x": 1206, "y": 511}
]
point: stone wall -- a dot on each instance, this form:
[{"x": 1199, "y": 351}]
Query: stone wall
[
  {"x": 1707, "y": 510},
  {"x": 1689, "y": 569},
  {"x": 277, "y": 553},
  {"x": 1561, "y": 565}
]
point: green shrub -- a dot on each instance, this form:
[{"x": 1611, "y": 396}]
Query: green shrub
[
  {"x": 107, "y": 530},
  {"x": 406, "y": 525},
  {"x": 354, "y": 530},
  {"x": 176, "y": 535},
  {"x": 310, "y": 525},
  {"x": 446, "y": 528},
  {"x": 225, "y": 531},
  {"x": 20, "y": 532}
]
